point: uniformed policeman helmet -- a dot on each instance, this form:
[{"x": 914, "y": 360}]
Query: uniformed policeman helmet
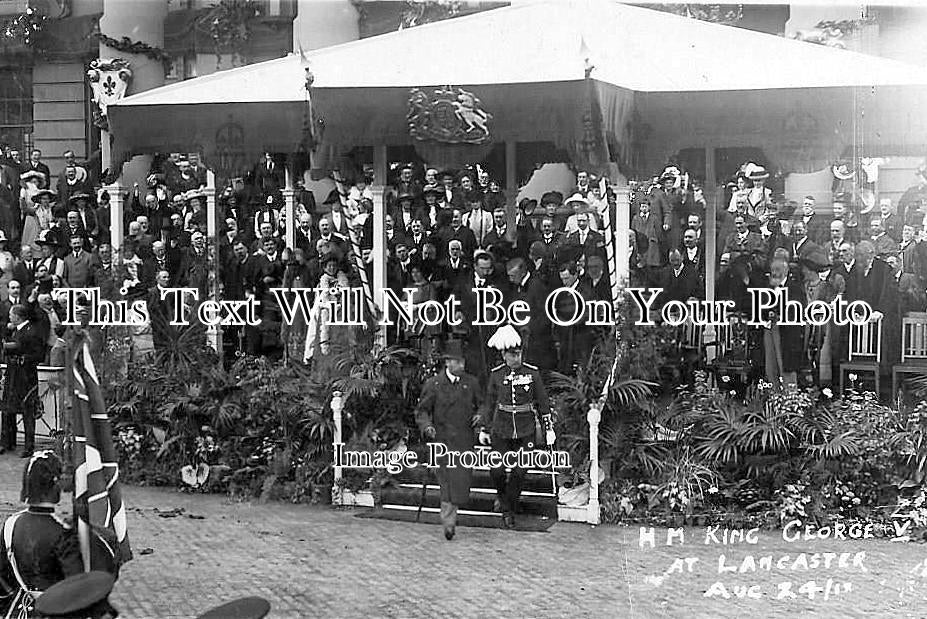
[{"x": 505, "y": 338}]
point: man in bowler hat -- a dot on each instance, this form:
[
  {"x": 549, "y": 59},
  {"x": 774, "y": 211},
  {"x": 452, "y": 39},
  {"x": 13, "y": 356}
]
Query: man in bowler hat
[{"x": 445, "y": 414}]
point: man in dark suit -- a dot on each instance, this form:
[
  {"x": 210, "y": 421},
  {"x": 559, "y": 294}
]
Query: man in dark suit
[
  {"x": 913, "y": 255},
  {"x": 871, "y": 280},
  {"x": 693, "y": 252},
  {"x": 804, "y": 248},
  {"x": 24, "y": 351},
  {"x": 454, "y": 268},
  {"x": 35, "y": 163},
  {"x": 590, "y": 241},
  {"x": 742, "y": 241},
  {"x": 24, "y": 268},
  {"x": 679, "y": 281},
  {"x": 817, "y": 228},
  {"x": 78, "y": 271},
  {"x": 459, "y": 232},
  {"x": 448, "y": 403},
  {"x": 884, "y": 245},
  {"x": 497, "y": 240},
  {"x": 537, "y": 336},
  {"x": 268, "y": 175}
]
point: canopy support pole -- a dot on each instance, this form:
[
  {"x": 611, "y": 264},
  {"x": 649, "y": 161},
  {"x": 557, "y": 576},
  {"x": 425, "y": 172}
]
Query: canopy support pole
[
  {"x": 289, "y": 206},
  {"x": 116, "y": 223},
  {"x": 622, "y": 227},
  {"x": 710, "y": 227},
  {"x": 511, "y": 183},
  {"x": 213, "y": 334},
  {"x": 380, "y": 250}
]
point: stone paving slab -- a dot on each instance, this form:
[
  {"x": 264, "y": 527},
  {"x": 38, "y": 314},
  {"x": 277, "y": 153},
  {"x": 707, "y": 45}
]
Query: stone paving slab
[{"x": 319, "y": 561}]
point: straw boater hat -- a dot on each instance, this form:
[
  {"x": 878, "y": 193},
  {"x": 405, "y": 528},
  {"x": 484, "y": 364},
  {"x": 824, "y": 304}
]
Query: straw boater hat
[
  {"x": 80, "y": 195},
  {"x": 576, "y": 197},
  {"x": 194, "y": 194},
  {"x": 505, "y": 338},
  {"x": 44, "y": 192}
]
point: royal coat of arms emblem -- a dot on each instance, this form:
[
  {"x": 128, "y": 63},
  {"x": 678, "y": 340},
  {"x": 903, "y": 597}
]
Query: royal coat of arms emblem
[
  {"x": 109, "y": 80},
  {"x": 451, "y": 115}
]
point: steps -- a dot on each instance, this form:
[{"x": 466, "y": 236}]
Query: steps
[{"x": 538, "y": 496}]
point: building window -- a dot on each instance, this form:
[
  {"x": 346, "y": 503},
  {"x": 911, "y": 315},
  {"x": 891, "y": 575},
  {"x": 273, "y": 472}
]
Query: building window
[{"x": 16, "y": 107}]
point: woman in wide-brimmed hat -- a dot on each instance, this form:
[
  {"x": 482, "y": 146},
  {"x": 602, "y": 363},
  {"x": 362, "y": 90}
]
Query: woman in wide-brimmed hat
[
  {"x": 759, "y": 196},
  {"x": 38, "y": 216}
]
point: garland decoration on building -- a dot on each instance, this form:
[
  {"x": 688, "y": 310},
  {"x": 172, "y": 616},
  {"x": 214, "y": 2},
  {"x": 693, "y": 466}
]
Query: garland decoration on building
[
  {"x": 230, "y": 24},
  {"x": 25, "y": 28},
  {"x": 128, "y": 46},
  {"x": 832, "y": 33},
  {"x": 418, "y": 13}
]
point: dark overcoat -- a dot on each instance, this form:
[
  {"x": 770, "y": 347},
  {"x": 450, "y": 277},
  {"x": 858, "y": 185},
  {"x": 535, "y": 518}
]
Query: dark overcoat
[{"x": 450, "y": 408}]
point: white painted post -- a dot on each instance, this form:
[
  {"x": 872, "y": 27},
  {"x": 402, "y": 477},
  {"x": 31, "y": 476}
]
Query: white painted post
[
  {"x": 116, "y": 224},
  {"x": 594, "y": 416},
  {"x": 380, "y": 252},
  {"x": 212, "y": 255},
  {"x": 337, "y": 407},
  {"x": 289, "y": 205},
  {"x": 621, "y": 226}
]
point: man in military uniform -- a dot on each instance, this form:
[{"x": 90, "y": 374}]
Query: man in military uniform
[
  {"x": 44, "y": 548},
  {"x": 516, "y": 399},
  {"x": 445, "y": 414}
]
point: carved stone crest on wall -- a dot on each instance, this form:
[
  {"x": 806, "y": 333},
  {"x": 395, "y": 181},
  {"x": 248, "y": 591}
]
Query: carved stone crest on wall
[
  {"x": 231, "y": 158},
  {"x": 450, "y": 115},
  {"x": 109, "y": 80}
]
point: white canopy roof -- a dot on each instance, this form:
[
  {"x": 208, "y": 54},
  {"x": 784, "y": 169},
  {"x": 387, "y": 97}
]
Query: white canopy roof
[{"x": 631, "y": 47}]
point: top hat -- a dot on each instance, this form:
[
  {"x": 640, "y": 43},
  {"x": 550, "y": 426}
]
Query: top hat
[
  {"x": 80, "y": 195},
  {"x": 453, "y": 350},
  {"x": 245, "y": 608},
  {"x": 81, "y": 595},
  {"x": 552, "y": 197}
]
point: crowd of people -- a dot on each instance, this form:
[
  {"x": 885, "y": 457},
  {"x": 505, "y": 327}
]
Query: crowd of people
[
  {"x": 447, "y": 232},
  {"x": 876, "y": 255}
]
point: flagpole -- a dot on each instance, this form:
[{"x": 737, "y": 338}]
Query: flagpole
[{"x": 78, "y": 447}]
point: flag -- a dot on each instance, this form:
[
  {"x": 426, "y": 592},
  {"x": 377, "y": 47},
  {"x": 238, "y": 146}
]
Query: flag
[{"x": 98, "y": 506}]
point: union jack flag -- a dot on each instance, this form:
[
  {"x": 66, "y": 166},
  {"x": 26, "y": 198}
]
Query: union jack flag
[{"x": 98, "y": 506}]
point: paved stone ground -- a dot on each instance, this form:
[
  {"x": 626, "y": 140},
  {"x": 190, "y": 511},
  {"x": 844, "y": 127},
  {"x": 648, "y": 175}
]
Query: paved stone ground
[{"x": 317, "y": 561}]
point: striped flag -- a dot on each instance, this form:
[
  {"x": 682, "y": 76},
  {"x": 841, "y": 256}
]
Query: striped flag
[{"x": 98, "y": 506}]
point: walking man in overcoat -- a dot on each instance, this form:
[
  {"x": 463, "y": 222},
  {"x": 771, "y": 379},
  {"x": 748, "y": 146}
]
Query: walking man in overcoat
[{"x": 445, "y": 414}]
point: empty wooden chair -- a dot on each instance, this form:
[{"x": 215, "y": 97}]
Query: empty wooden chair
[
  {"x": 864, "y": 351},
  {"x": 913, "y": 349}
]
